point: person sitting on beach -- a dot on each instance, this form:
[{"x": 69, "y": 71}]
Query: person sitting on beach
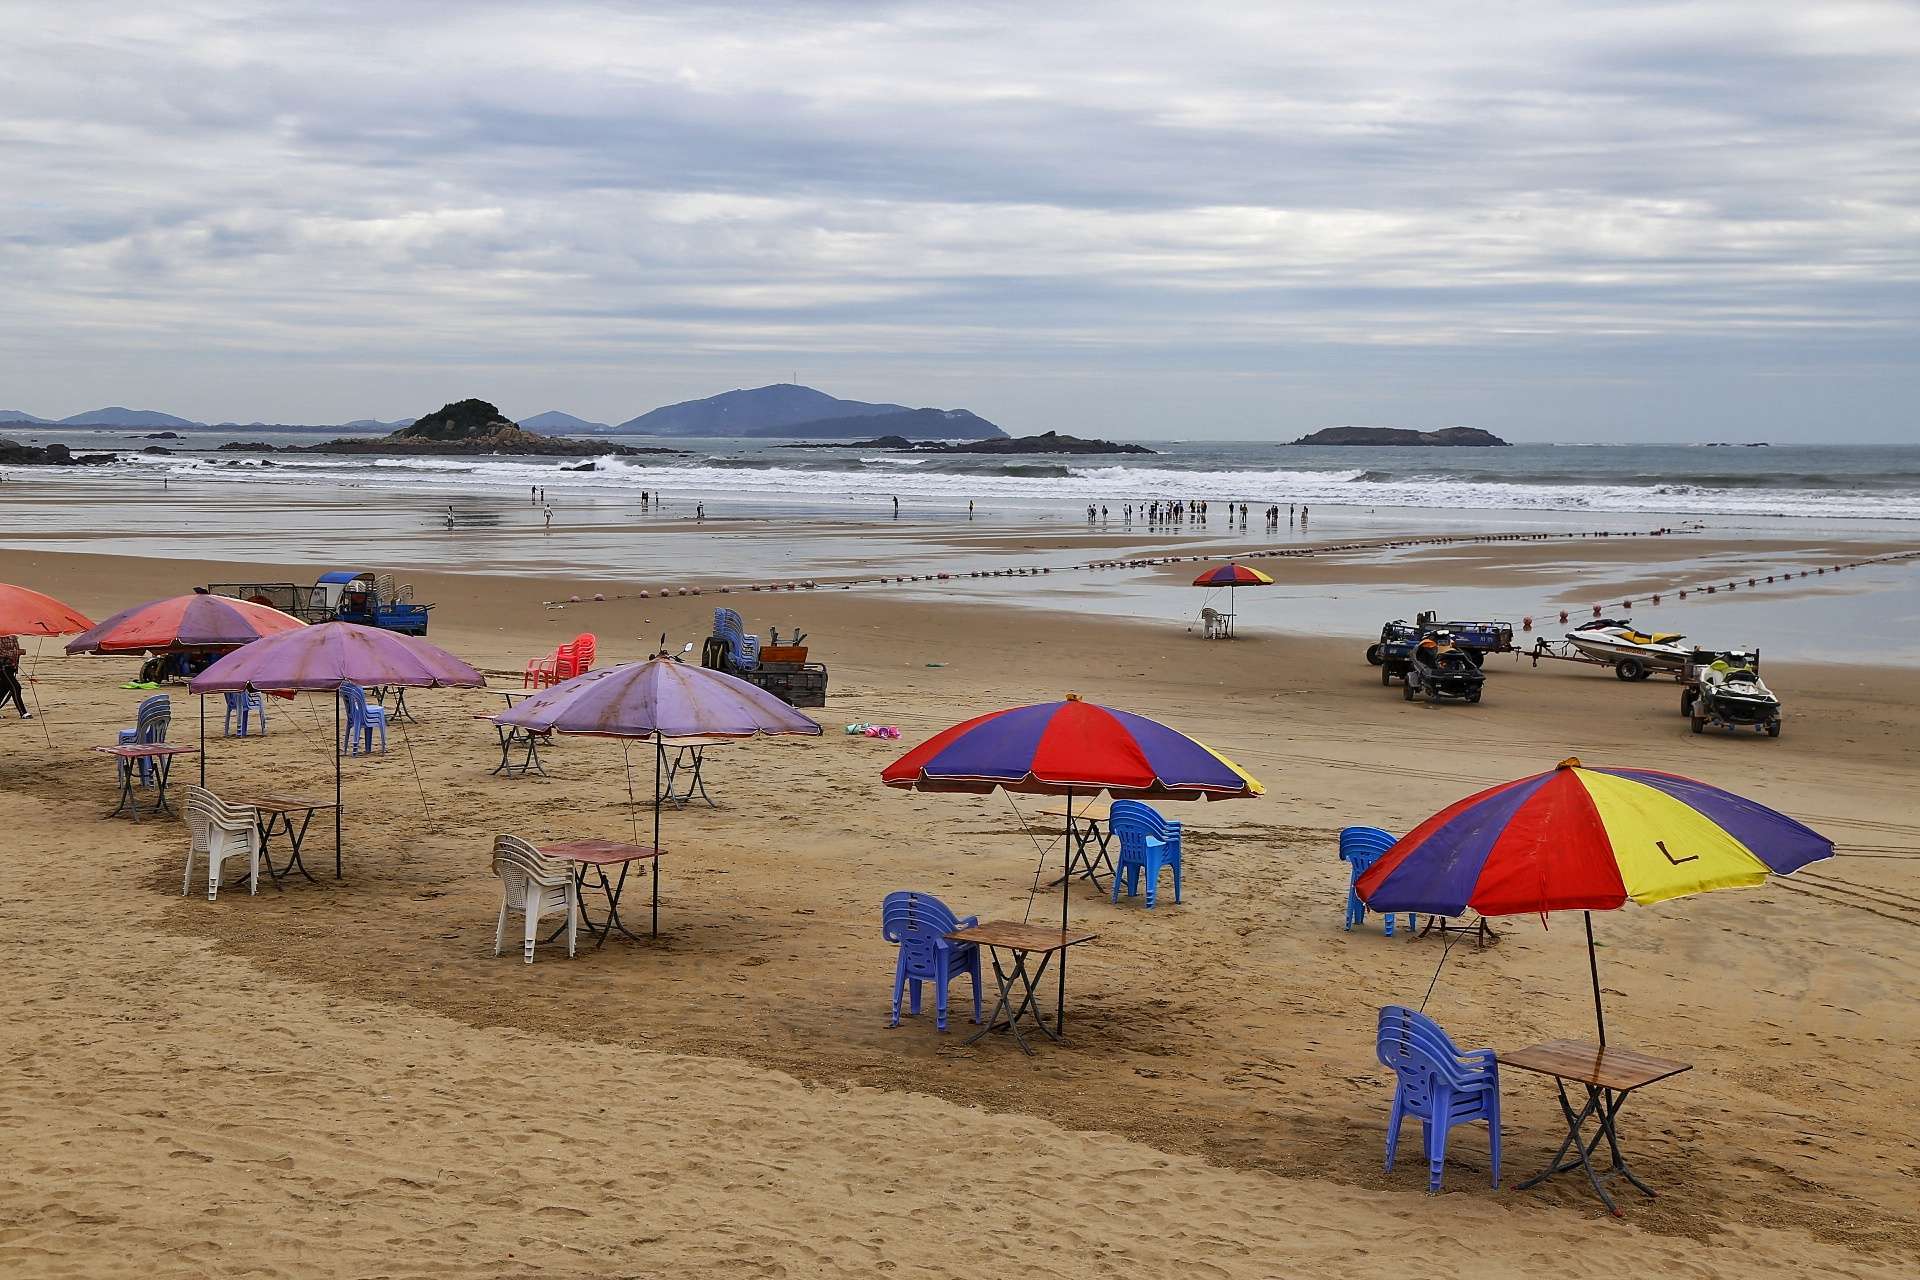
[{"x": 10, "y": 655}]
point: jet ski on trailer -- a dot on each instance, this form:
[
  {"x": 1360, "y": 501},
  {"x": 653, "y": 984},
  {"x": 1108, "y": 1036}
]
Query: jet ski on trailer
[
  {"x": 1725, "y": 690},
  {"x": 1633, "y": 654}
]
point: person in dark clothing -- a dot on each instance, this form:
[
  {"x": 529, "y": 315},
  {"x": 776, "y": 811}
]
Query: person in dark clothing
[{"x": 10, "y": 655}]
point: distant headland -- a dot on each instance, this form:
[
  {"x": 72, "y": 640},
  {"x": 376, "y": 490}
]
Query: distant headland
[
  {"x": 1045, "y": 442},
  {"x": 1456, "y": 437}
]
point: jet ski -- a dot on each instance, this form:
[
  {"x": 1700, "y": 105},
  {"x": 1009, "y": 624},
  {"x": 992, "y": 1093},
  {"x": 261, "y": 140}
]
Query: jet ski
[
  {"x": 1634, "y": 654},
  {"x": 1729, "y": 693}
]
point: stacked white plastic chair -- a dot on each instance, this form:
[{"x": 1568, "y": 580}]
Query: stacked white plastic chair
[
  {"x": 217, "y": 831},
  {"x": 536, "y": 886}
]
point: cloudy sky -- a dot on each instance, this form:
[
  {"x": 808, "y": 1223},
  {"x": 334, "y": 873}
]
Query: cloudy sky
[{"x": 1592, "y": 221}]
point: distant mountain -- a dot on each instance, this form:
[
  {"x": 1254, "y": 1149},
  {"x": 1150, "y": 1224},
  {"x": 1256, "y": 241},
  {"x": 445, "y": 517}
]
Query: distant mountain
[
  {"x": 17, "y": 415},
  {"x": 921, "y": 424},
  {"x": 788, "y": 409},
  {"x": 374, "y": 424},
  {"x": 555, "y": 423},
  {"x": 120, "y": 416},
  {"x": 762, "y": 411}
]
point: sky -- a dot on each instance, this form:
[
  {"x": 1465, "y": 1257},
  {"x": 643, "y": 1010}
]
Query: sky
[{"x": 1586, "y": 221}]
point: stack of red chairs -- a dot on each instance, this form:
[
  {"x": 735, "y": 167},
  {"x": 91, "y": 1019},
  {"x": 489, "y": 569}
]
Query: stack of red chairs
[{"x": 564, "y": 663}]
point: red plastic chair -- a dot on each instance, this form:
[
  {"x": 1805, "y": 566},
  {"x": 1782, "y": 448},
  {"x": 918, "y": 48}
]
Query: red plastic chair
[{"x": 582, "y": 660}]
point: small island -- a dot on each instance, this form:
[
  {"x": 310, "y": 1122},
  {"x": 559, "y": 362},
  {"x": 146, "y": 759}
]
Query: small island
[
  {"x": 1046, "y": 442},
  {"x": 15, "y": 454},
  {"x": 463, "y": 428},
  {"x": 1456, "y": 437}
]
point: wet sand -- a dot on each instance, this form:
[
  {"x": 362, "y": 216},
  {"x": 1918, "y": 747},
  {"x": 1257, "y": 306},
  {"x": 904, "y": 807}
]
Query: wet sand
[{"x": 342, "y": 1079}]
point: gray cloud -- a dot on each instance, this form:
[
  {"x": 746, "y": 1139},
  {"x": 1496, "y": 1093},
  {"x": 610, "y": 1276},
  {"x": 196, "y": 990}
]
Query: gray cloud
[{"x": 1269, "y": 215}]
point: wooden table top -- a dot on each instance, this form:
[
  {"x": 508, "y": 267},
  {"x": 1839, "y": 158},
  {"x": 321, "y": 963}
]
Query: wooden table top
[
  {"x": 1020, "y": 937},
  {"x": 1082, "y": 815},
  {"x": 601, "y": 852},
  {"x": 274, "y": 802},
  {"x": 147, "y": 750},
  {"x": 1608, "y": 1068}
]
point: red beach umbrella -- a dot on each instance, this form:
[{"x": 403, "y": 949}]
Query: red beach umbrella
[
  {"x": 182, "y": 624},
  {"x": 25, "y": 612}
]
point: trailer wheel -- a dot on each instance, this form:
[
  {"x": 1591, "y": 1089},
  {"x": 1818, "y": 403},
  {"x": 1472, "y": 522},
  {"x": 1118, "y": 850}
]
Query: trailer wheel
[
  {"x": 1406, "y": 690},
  {"x": 1773, "y": 728},
  {"x": 1474, "y": 696},
  {"x": 1630, "y": 669},
  {"x": 1375, "y": 656},
  {"x": 1699, "y": 724},
  {"x": 1386, "y": 674}
]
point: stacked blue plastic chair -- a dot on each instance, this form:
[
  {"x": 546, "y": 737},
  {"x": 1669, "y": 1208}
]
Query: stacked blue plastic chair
[
  {"x": 150, "y": 724},
  {"x": 244, "y": 706},
  {"x": 742, "y": 648},
  {"x": 918, "y": 924},
  {"x": 1149, "y": 844},
  {"x": 1360, "y": 848},
  {"x": 362, "y": 719},
  {"x": 1439, "y": 1084}
]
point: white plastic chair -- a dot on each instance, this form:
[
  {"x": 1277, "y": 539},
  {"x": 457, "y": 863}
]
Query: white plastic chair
[
  {"x": 218, "y": 831},
  {"x": 535, "y": 886}
]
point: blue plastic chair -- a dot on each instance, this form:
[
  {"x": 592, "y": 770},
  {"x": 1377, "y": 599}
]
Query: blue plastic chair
[
  {"x": 742, "y": 649},
  {"x": 1149, "y": 844},
  {"x": 1360, "y": 848},
  {"x": 918, "y": 923},
  {"x": 150, "y": 724},
  {"x": 243, "y": 706},
  {"x": 362, "y": 719},
  {"x": 1438, "y": 1083}
]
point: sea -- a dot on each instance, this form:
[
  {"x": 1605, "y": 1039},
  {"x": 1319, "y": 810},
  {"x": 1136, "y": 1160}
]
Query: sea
[{"x": 1744, "y": 482}]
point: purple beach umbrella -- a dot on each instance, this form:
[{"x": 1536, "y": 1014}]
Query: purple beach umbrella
[
  {"x": 330, "y": 655},
  {"x": 660, "y": 699}
]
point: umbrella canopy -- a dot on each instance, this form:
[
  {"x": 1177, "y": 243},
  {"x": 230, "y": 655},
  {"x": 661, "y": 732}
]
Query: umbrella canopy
[
  {"x": 1581, "y": 839},
  {"x": 1233, "y": 575},
  {"x": 1051, "y": 748},
  {"x": 1577, "y": 839},
  {"x": 331, "y": 654},
  {"x": 184, "y": 623},
  {"x": 657, "y": 697},
  {"x": 25, "y": 612}
]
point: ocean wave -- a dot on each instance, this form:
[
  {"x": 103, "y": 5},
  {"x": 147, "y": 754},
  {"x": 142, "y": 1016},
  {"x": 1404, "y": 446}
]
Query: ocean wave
[{"x": 1039, "y": 483}]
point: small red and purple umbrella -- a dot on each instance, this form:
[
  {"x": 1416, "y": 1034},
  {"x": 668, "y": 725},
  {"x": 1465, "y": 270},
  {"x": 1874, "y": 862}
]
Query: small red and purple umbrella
[
  {"x": 327, "y": 656},
  {"x": 1232, "y": 576},
  {"x": 183, "y": 624},
  {"x": 26, "y": 612}
]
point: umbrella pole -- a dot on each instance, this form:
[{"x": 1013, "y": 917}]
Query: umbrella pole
[
  {"x": 203, "y": 742},
  {"x": 1593, "y": 967},
  {"x": 658, "y": 751},
  {"x": 1066, "y": 889},
  {"x": 336, "y": 784}
]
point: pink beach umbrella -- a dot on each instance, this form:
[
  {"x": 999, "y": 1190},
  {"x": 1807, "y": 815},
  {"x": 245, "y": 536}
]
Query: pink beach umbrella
[
  {"x": 327, "y": 656},
  {"x": 660, "y": 699}
]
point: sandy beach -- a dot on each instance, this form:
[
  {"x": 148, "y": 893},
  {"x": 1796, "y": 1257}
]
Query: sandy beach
[{"x": 341, "y": 1079}]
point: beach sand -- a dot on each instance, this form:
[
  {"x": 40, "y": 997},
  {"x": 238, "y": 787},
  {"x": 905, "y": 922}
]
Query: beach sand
[{"x": 341, "y": 1079}]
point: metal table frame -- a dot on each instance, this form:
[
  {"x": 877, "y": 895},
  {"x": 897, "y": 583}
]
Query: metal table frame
[
  {"x": 277, "y": 811},
  {"x": 1019, "y": 986},
  {"x": 1603, "y": 1105},
  {"x": 690, "y": 759},
  {"x": 1085, "y": 829},
  {"x": 127, "y": 757},
  {"x": 610, "y": 887}
]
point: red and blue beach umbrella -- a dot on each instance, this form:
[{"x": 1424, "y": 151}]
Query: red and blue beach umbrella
[
  {"x": 1586, "y": 839},
  {"x": 1070, "y": 748},
  {"x": 1061, "y": 748},
  {"x": 184, "y": 624}
]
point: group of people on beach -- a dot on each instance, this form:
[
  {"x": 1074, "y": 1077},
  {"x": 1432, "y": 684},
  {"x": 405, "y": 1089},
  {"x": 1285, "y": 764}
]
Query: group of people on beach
[{"x": 1158, "y": 514}]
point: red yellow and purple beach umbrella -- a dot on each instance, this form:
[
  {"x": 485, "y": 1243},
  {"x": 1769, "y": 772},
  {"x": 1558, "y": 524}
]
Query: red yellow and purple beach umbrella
[
  {"x": 1586, "y": 839},
  {"x": 1232, "y": 576},
  {"x": 26, "y": 612}
]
